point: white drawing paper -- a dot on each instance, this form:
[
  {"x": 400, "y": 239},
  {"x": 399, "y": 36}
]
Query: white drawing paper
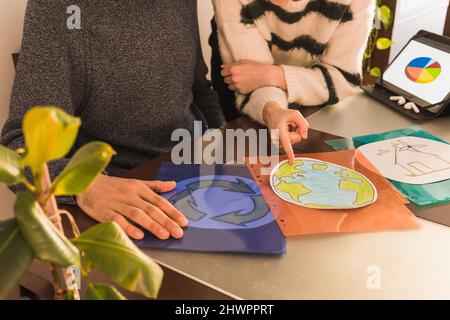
[{"x": 410, "y": 160}]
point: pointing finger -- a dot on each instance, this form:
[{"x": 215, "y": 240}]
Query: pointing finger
[{"x": 286, "y": 144}]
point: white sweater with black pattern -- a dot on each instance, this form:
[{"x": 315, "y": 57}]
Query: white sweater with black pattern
[{"x": 319, "y": 43}]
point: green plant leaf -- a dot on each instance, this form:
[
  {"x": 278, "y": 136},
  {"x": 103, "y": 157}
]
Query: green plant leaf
[
  {"x": 15, "y": 256},
  {"x": 384, "y": 43},
  {"x": 10, "y": 172},
  {"x": 375, "y": 71},
  {"x": 384, "y": 14},
  {"x": 110, "y": 250},
  {"x": 46, "y": 241},
  {"x": 83, "y": 168},
  {"x": 49, "y": 135},
  {"x": 100, "y": 291}
]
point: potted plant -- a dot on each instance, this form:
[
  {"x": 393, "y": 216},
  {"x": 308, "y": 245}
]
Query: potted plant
[{"x": 36, "y": 230}]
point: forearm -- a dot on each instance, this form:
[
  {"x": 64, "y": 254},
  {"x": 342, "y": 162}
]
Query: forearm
[
  {"x": 258, "y": 99},
  {"x": 275, "y": 77},
  {"x": 269, "y": 109}
]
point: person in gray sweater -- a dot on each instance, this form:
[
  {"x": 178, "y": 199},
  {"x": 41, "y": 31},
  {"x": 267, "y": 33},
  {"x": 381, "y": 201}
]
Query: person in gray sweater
[{"x": 133, "y": 73}]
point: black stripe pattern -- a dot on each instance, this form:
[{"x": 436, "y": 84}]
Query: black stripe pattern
[
  {"x": 332, "y": 95},
  {"x": 244, "y": 102},
  {"x": 329, "y": 9},
  {"x": 352, "y": 78},
  {"x": 305, "y": 42}
]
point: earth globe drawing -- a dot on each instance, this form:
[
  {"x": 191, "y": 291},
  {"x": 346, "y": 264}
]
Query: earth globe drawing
[
  {"x": 221, "y": 202},
  {"x": 321, "y": 185}
]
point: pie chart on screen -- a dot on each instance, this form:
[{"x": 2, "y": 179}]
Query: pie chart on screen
[{"x": 423, "y": 70}]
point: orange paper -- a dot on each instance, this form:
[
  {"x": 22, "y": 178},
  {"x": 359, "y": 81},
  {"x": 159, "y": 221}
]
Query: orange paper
[{"x": 389, "y": 212}]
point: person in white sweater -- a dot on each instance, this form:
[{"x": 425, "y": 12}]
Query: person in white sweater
[{"x": 281, "y": 55}]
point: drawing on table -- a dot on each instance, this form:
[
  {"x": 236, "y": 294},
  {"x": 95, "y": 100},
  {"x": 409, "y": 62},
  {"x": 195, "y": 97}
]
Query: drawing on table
[
  {"x": 410, "y": 159},
  {"x": 427, "y": 163},
  {"x": 225, "y": 209},
  {"x": 221, "y": 202},
  {"x": 321, "y": 185}
]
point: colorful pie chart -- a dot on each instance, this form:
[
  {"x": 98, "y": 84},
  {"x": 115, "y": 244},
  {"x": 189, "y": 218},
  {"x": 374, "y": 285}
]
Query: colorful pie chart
[{"x": 423, "y": 70}]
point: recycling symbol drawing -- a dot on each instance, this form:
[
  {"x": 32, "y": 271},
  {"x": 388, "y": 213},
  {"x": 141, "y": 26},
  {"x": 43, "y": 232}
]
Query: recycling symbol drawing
[{"x": 221, "y": 202}]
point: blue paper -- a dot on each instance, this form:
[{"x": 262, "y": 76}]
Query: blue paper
[
  {"x": 225, "y": 209},
  {"x": 426, "y": 194}
]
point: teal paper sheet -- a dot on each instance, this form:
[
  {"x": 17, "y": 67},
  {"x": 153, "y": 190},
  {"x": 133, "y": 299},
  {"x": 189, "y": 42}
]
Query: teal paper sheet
[{"x": 432, "y": 193}]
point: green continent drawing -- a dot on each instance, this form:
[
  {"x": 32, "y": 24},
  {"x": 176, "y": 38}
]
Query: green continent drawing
[
  {"x": 287, "y": 170},
  {"x": 320, "y": 166},
  {"x": 323, "y": 206},
  {"x": 364, "y": 190},
  {"x": 295, "y": 190}
]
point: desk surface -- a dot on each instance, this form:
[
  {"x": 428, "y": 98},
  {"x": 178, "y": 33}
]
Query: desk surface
[
  {"x": 412, "y": 264},
  {"x": 361, "y": 115}
]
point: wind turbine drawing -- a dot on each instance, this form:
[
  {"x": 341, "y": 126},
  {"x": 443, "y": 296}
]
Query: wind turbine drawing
[{"x": 414, "y": 159}]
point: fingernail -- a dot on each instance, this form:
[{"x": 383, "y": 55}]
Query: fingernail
[
  {"x": 182, "y": 221},
  {"x": 170, "y": 183},
  {"x": 139, "y": 235},
  {"x": 177, "y": 232},
  {"x": 163, "y": 234}
]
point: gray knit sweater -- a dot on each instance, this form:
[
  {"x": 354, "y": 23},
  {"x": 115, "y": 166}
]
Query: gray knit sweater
[{"x": 133, "y": 74}]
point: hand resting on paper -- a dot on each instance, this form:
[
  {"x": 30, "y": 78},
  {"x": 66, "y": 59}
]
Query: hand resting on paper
[{"x": 120, "y": 200}]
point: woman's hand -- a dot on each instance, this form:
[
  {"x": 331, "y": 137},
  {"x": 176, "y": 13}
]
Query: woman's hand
[
  {"x": 291, "y": 126},
  {"x": 245, "y": 77},
  {"x": 117, "y": 199}
]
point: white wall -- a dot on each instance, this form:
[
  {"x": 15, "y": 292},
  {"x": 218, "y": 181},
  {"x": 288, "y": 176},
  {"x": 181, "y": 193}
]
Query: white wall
[
  {"x": 414, "y": 15},
  {"x": 12, "y": 14}
]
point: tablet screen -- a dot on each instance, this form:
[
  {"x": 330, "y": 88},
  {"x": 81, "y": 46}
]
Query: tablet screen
[{"x": 422, "y": 71}]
